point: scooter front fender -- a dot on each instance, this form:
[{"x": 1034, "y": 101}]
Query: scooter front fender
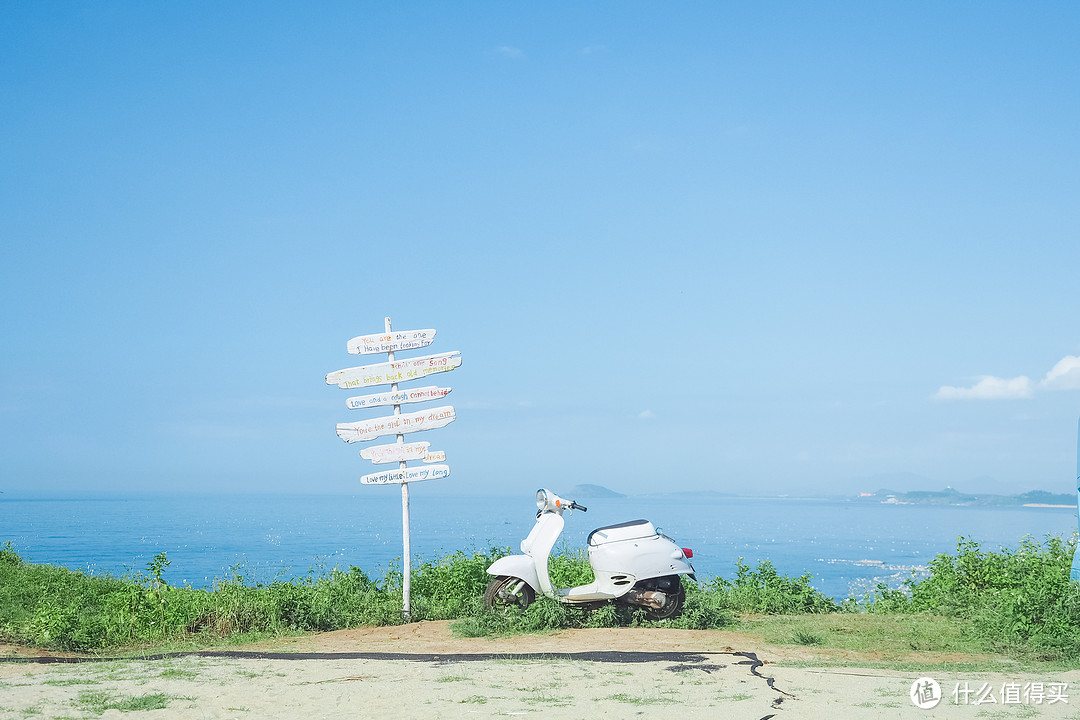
[{"x": 519, "y": 566}]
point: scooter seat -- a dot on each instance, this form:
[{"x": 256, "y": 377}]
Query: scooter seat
[{"x": 623, "y": 531}]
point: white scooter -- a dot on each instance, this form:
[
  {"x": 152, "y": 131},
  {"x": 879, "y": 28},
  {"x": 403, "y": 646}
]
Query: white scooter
[{"x": 633, "y": 564}]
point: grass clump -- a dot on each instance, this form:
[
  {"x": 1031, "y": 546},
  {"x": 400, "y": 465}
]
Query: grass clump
[
  {"x": 807, "y": 637},
  {"x": 51, "y": 606},
  {"x": 97, "y": 702},
  {"x": 1018, "y": 601},
  {"x": 764, "y": 591}
]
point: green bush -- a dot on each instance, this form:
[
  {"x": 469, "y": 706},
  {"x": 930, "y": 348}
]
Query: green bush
[
  {"x": 1019, "y": 597},
  {"x": 882, "y": 600},
  {"x": 570, "y": 568},
  {"x": 704, "y": 609},
  {"x": 444, "y": 589},
  {"x": 1016, "y": 600},
  {"x": 51, "y": 606},
  {"x": 8, "y": 556},
  {"x": 763, "y": 591}
]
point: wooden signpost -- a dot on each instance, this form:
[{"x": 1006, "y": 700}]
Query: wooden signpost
[
  {"x": 390, "y": 342},
  {"x": 411, "y": 395},
  {"x": 408, "y": 475},
  {"x": 395, "y": 452},
  {"x": 398, "y": 424},
  {"x": 391, "y": 373}
]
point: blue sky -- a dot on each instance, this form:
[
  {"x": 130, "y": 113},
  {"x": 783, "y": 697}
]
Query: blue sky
[{"x": 754, "y": 248}]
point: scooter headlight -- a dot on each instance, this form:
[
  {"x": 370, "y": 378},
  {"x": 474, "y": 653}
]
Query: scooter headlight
[{"x": 541, "y": 499}]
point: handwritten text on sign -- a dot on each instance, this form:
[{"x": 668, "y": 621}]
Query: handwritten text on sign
[
  {"x": 412, "y": 395},
  {"x": 390, "y": 341},
  {"x": 395, "y": 452},
  {"x": 393, "y": 372},
  {"x": 395, "y": 424},
  {"x": 435, "y": 456},
  {"x": 390, "y": 477}
]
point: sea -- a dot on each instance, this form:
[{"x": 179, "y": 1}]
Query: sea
[{"x": 847, "y": 547}]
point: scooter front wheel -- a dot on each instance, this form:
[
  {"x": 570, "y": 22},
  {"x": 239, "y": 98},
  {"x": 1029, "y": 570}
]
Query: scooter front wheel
[{"x": 507, "y": 591}]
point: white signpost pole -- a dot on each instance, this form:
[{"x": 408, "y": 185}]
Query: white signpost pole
[
  {"x": 391, "y": 373},
  {"x": 406, "y": 567}
]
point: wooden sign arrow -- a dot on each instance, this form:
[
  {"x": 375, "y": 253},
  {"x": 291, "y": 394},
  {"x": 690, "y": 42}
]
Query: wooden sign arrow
[
  {"x": 395, "y": 452},
  {"x": 412, "y": 395},
  {"x": 435, "y": 456},
  {"x": 396, "y": 477},
  {"x": 396, "y": 424},
  {"x": 390, "y": 341},
  {"x": 393, "y": 372}
]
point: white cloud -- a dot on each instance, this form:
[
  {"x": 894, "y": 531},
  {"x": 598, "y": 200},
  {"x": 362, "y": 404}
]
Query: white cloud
[
  {"x": 988, "y": 388},
  {"x": 590, "y": 49},
  {"x": 1065, "y": 375},
  {"x": 645, "y": 415},
  {"x": 509, "y": 51}
]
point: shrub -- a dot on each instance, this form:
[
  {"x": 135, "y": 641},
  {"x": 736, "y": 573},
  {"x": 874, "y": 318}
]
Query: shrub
[
  {"x": 443, "y": 589},
  {"x": 704, "y": 609},
  {"x": 1018, "y": 599},
  {"x": 764, "y": 591}
]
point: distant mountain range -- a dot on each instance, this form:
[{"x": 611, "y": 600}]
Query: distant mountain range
[
  {"x": 592, "y": 491},
  {"x": 949, "y": 496}
]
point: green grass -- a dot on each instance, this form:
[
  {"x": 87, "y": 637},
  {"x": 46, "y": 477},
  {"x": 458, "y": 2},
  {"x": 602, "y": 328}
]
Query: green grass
[
  {"x": 894, "y": 635},
  {"x": 53, "y": 607},
  {"x": 98, "y": 701},
  {"x": 71, "y": 681},
  {"x": 452, "y": 678},
  {"x": 807, "y": 637},
  {"x": 735, "y": 697},
  {"x": 1011, "y": 603},
  {"x": 475, "y": 699},
  {"x": 643, "y": 699}
]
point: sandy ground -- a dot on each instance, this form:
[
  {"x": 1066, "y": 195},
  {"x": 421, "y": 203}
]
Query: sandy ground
[{"x": 421, "y": 671}]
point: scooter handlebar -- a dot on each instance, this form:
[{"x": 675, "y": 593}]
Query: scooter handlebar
[{"x": 575, "y": 506}]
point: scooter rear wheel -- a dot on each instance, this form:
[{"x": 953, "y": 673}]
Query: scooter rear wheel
[
  {"x": 676, "y": 595},
  {"x": 506, "y": 591}
]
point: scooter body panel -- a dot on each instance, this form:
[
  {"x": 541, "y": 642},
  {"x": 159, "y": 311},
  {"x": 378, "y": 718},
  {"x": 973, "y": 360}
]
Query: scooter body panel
[
  {"x": 537, "y": 548},
  {"x": 519, "y": 566},
  {"x": 643, "y": 558}
]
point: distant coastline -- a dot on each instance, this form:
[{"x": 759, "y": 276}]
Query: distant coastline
[{"x": 950, "y": 496}]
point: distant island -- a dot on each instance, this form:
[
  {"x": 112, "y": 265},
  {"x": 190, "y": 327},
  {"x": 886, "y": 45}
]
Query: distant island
[
  {"x": 950, "y": 496},
  {"x": 592, "y": 491}
]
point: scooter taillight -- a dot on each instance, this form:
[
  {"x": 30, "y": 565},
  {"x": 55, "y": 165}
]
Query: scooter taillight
[{"x": 688, "y": 553}]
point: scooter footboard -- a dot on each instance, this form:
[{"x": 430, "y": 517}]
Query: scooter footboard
[{"x": 519, "y": 566}]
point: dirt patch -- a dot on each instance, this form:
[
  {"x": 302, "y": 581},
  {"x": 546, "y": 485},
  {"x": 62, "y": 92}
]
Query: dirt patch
[
  {"x": 421, "y": 671},
  {"x": 435, "y": 637}
]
